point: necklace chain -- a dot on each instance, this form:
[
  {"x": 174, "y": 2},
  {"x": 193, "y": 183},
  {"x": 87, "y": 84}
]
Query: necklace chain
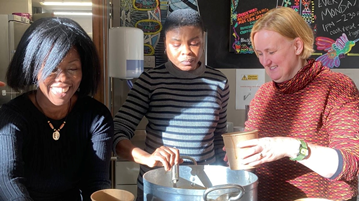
[{"x": 56, "y": 133}]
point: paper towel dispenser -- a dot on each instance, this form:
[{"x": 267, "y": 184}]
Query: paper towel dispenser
[{"x": 126, "y": 52}]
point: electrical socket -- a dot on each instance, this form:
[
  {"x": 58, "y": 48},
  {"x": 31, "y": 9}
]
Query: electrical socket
[{"x": 149, "y": 61}]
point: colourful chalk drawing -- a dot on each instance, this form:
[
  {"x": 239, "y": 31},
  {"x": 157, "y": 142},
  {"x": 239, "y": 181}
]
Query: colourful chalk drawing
[
  {"x": 335, "y": 26},
  {"x": 236, "y": 46},
  {"x": 336, "y": 50},
  {"x": 149, "y": 26},
  {"x": 304, "y": 7},
  {"x": 287, "y": 3},
  {"x": 242, "y": 45},
  {"x": 143, "y": 14},
  {"x": 242, "y": 23},
  {"x": 180, "y": 4},
  {"x": 145, "y": 5},
  {"x": 149, "y": 50}
]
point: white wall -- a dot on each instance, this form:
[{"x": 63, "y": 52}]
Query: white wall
[
  {"x": 352, "y": 73},
  {"x": 15, "y": 6},
  {"x": 84, "y": 21},
  {"x": 233, "y": 115},
  {"x": 25, "y": 6}
]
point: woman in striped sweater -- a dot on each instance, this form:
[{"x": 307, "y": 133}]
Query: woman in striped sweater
[
  {"x": 184, "y": 101},
  {"x": 307, "y": 117}
]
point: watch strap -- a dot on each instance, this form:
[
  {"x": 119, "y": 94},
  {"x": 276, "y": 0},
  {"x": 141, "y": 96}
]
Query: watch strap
[{"x": 303, "y": 151}]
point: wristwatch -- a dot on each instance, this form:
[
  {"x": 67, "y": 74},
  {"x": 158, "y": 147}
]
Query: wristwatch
[{"x": 303, "y": 151}]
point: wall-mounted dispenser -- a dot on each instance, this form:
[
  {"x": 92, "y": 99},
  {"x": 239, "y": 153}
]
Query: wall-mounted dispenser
[
  {"x": 126, "y": 52},
  {"x": 125, "y": 61}
]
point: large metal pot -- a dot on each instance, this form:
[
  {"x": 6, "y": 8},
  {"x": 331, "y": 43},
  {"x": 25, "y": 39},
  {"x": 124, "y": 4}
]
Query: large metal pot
[{"x": 200, "y": 182}]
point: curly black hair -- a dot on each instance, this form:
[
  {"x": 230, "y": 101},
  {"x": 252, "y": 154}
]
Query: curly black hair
[{"x": 183, "y": 17}]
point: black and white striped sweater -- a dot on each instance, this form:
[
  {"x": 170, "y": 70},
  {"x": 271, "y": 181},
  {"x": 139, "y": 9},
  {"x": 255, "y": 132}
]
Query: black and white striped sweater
[{"x": 184, "y": 109}]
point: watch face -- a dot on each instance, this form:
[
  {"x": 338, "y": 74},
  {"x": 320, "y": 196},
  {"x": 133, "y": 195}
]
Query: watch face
[{"x": 304, "y": 151}]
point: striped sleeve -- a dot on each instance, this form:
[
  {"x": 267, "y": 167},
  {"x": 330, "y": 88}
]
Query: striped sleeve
[
  {"x": 222, "y": 125},
  {"x": 133, "y": 110}
]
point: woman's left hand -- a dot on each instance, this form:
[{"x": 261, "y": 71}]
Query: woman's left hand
[
  {"x": 225, "y": 159},
  {"x": 267, "y": 149}
]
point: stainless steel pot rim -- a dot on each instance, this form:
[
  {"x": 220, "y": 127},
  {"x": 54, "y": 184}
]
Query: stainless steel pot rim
[
  {"x": 163, "y": 189},
  {"x": 148, "y": 179}
]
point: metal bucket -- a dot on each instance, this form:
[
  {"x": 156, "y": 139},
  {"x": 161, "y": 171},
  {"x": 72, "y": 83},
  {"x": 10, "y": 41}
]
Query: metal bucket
[{"x": 200, "y": 182}]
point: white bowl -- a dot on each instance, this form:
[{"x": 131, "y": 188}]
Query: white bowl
[{"x": 112, "y": 195}]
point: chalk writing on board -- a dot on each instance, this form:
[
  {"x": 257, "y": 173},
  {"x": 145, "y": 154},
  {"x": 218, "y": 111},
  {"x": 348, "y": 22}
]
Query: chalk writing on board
[
  {"x": 242, "y": 23},
  {"x": 338, "y": 31},
  {"x": 335, "y": 25}
]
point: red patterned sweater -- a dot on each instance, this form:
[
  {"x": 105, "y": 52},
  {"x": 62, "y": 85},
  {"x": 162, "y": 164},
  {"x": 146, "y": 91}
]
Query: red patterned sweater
[{"x": 322, "y": 107}]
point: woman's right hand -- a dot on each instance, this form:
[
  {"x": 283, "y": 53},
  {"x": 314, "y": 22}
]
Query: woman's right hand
[
  {"x": 2, "y": 84},
  {"x": 164, "y": 156}
]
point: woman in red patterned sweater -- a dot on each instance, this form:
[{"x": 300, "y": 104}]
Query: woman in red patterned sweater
[{"x": 307, "y": 117}]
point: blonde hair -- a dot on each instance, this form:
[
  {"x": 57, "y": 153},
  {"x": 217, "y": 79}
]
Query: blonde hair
[{"x": 288, "y": 23}]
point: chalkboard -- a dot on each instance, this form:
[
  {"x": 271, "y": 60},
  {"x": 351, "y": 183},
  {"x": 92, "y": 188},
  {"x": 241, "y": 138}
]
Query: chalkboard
[
  {"x": 335, "y": 25},
  {"x": 337, "y": 21}
]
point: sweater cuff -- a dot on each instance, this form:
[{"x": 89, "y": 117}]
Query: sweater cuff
[
  {"x": 117, "y": 139},
  {"x": 340, "y": 165}
]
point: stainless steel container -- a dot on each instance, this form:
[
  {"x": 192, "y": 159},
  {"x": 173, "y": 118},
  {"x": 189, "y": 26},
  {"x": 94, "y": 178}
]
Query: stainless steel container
[{"x": 200, "y": 182}]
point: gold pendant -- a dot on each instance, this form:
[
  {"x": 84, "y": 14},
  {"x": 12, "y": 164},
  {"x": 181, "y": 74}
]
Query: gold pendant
[{"x": 56, "y": 135}]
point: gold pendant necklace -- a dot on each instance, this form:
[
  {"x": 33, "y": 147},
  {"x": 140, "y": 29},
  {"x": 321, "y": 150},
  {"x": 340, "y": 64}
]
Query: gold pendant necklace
[{"x": 56, "y": 134}]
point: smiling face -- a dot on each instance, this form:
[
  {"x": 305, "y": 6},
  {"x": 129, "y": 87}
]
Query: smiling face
[
  {"x": 279, "y": 55},
  {"x": 64, "y": 81},
  {"x": 184, "y": 47}
]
